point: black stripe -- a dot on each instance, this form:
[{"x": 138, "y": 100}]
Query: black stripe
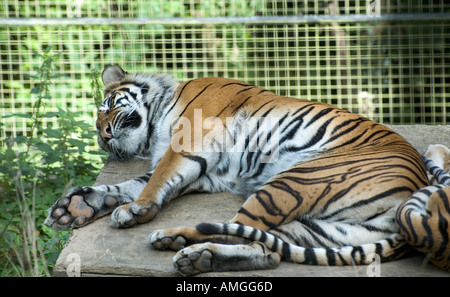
[
  {"x": 316, "y": 229},
  {"x": 287, "y": 234},
  {"x": 263, "y": 91},
  {"x": 344, "y": 124},
  {"x": 225, "y": 108},
  {"x": 358, "y": 250},
  {"x": 309, "y": 106},
  {"x": 317, "y": 137},
  {"x": 193, "y": 99},
  {"x": 298, "y": 120},
  {"x": 270, "y": 208},
  {"x": 259, "y": 108},
  {"x": 351, "y": 141},
  {"x": 240, "y": 105},
  {"x": 382, "y": 195},
  {"x": 445, "y": 200},
  {"x": 373, "y": 135},
  {"x": 240, "y": 230},
  {"x": 201, "y": 161},
  {"x": 207, "y": 228},
  {"x": 235, "y": 83},
  {"x": 378, "y": 248},
  {"x": 343, "y": 261},
  {"x": 132, "y": 94},
  {"x": 252, "y": 235},
  {"x": 331, "y": 257},
  {"x": 144, "y": 178},
  {"x": 286, "y": 250},
  {"x": 409, "y": 227},
  {"x": 117, "y": 188},
  {"x": 247, "y": 213},
  {"x": 244, "y": 90},
  {"x": 322, "y": 113},
  {"x": 349, "y": 130},
  {"x": 267, "y": 112},
  {"x": 179, "y": 96},
  {"x": 443, "y": 227},
  {"x": 310, "y": 256},
  {"x": 275, "y": 244}
]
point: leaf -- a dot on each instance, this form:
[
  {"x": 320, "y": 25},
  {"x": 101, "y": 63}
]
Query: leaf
[
  {"x": 20, "y": 139},
  {"x": 52, "y": 133},
  {"x": 50, "y": 114},
  {"x": 44, "y": 147},
  {"x": 36, "y": 53},
  {"x": 78, "y": 143},
  {"x": 35, "y": 90},
  {"x": 20, "y": 115}
]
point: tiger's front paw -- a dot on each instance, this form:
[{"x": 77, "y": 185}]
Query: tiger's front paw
[{"x": 131, "y": 214}]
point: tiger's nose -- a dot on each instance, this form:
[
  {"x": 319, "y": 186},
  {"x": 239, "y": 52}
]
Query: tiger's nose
[{"x": 106, "y": 133}]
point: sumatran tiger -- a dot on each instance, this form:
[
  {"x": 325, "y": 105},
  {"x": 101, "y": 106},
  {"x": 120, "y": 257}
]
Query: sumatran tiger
[{"x": 323, "y": 185}]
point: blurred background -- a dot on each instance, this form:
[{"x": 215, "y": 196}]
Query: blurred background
[{"x": 388, "y": 60}]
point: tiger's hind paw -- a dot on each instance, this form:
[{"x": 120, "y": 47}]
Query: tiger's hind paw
[
  {"x": 193, "y": 260},
  {"x": 162, "y": 241}
]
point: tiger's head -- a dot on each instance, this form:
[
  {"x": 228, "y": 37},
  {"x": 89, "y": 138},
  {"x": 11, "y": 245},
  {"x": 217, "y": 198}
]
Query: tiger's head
[{"x": 126, "y": 116}]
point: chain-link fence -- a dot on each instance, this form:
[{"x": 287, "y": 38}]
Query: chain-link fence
[{"x": 388, "y": 60}]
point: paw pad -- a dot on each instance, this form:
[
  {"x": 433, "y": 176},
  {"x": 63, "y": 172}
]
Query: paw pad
[
  {"x": 78, "y": 207},
  {"x": 190, "y": 262}
]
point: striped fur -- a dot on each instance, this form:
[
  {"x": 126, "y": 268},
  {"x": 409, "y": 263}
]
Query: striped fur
[
  {"x": 424, "y": 218},
  {"x": 388, "y": 249},
  {"x": 323, "y": 185}
]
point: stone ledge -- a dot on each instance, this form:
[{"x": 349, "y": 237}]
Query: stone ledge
[{"x": 105, "y": 251}]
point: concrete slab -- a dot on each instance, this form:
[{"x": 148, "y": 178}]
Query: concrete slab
[{"x": 98, "y": 250}]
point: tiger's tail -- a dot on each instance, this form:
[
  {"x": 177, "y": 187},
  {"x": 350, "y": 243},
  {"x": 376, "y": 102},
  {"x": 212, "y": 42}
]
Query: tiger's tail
[
  {"x": 438, "y": 175},
  {"x": 387, "y": 249}
]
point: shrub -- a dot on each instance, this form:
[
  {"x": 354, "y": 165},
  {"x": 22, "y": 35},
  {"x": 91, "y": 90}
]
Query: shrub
[{"x": 34, "y": 171}]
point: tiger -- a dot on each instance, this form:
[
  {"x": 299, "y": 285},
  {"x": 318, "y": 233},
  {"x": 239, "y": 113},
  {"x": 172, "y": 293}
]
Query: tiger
[{"x": 323, "y": 186}]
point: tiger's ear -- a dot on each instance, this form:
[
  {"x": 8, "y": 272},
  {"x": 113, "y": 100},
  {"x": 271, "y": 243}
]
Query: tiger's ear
[{"x": 112, "y": 73}]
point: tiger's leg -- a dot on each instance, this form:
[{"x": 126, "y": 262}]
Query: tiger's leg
[
  {"x": 199, "y": 253},
  {"x": 207, "y": 257},
  {"x": 83, "y": 205},
  {"x": 424, "y": 221},
  {"x": 351, "y": 195},
  {"x": 180, "y": 237},
  {"x": 177, "y": 173},
  {"x": 354, "y": 188}
]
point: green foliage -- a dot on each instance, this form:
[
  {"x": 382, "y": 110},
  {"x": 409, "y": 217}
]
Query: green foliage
[
  {"x": 34, "y": 171},
  {"x": 96, "y": 87}
]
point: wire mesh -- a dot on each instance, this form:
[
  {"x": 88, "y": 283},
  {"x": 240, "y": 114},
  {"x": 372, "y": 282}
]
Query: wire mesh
[{"x": 392, "y": 71}]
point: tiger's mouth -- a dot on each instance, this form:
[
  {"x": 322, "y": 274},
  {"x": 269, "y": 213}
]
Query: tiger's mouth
[
  {"x": 121, "y": 146},
  {"x": 113, "y": 148}
]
